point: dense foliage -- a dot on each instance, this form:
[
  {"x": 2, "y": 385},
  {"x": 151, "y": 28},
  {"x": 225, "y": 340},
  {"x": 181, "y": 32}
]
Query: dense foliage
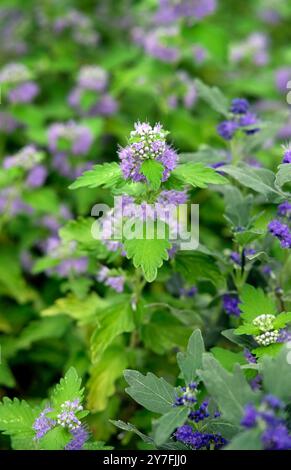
[{"x": 117, "y": 116}]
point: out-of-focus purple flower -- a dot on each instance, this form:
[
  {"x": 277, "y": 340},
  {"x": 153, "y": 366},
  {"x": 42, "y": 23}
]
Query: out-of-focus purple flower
[
  {"x": 23, "y": 93},
  {"x": 188, "y": 291},
  {"x": 36, "y": 177},
  {"x": 239, "y": 106},
  {"x": 284, "y": 209},
  {"x": 116, "y": 282},
  {"x": 80, "y": 436},
  {"x": 270, "y": 16},
  {"x": 72, "y": 265},
  {"x": 77, "y": 139},
  {"x": 227, "y": 129},
  {"x": 287, "y": 154},
  {"x": 92, "y": 78},
  {"x": 172, "y": 197},
  {"x": 284, "y": 336},
  {"x": 26, "y": 260},
  {"x": 26, "y": 158},
  {"x": 235, "y": 257},
  {"x": 253, "y": 162},
  {"x": 169, "y": 11},
  {"x": 250, "y": 417},
  {"x": 10, "y": 202},
  {"x": 43, "y": 424},
  {"x": 254, "y": 48},
  {"x": 230, "y": 305},
  {"x": 14, "y": 73},
  {"x": 7, "y": 123},
  {"x": 80, "y": 25},
  {"x": 146, "y": 142},
  {"x": 152, "y": 42},
  {"x": 200, "y": 54},
  {"x": 249, "y": 120},
  {"x": 283, "y": 76},
  {"x": 277, "y": 438},
  {"x": 280, "y": 231}
]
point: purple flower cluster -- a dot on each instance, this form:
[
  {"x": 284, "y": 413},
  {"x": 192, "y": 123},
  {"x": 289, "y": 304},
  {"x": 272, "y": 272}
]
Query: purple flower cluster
[
  {"x": 80, "y": 26},
  {"x": 80, "y": 437},
  {"x": 67, "y": 419},
  {"x": 287, "y": 154},
  {"x": 280, "y": 231},
  {"x": 201, "y": 413},
  {"x": 25, "y": 158},
  {"x": 231, "y": 305},
  {"x": 68, "y": 262},
  {"x": 198, "y": 440},
  {"x": 109, "y": 279},
  {"x": 254, "y": 48},
  {"x": 66, "y": 139},
  {"x": 283, "y": 76},
  {"x": 186, "y": 395},
  {"x": 43, "y": 424},
  {"x": 92, "y": 82},
  {"x": 170, "y": 11},
  {"x": 241, "y": 118},
  {"x": 11, "y": 202},
  {"x": 147, "y": 142},
  {"x": 153, "y": 43},
  {"x": 20, "y": 88},
  {"x": 184, "y": 90},
  {"x": 188, "y": 291},
  {"x": 275, "y": 434},
  {"x": 284, "y": 209}
]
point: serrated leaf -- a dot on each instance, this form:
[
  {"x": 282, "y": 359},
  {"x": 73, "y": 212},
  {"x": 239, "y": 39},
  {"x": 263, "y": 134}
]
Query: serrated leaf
[
  {"x": 191, "y": 360},
  {"x": 198, "y": 175},
  {"x": 282, "y": 319},
  {"x": 154, "y": 393},
  {"x": 116, "y": 319},
  {"x": 247, "y": 329},
  {"x": 213, "y": 96},
  {"x": 168, "y": 423},
  {"x": 272, "y": 350},
  {"x": 148, "y": 254},
  {"x": 83, "y": 310},
  {"x": 230, "y": 391},
  {"x": 195, "y": 266},
  {"x": 103, "y": 375},
  {"x": 106, "y": 175},
  {"x": 80, "y": 231},
  {"x": 255, "y": 302},
  {"x": 69, "y": 388},
  {"x": 153, "y": 171},
  {"x": 16, "y": 420}
]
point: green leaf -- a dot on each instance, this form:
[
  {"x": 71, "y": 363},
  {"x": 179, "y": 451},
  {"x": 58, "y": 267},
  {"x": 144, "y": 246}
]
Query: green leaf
[
  {"x": 154, "y": 393},
  {"x": 43, "y": 200},
  {"x": 6, "y": 377},
  {"x": 213, "y": 96},
  {"x": 44, "y": 263},
  {"x": 237, "y": 206},
  {"x": 255, "y": 302},
  {"x": 247, "y": 329},
  {"x": 69, "y": 388},
  {"x": 148, "y": 254},
  {"x": 153, "y": 171},
  {"x": 248, "y": 236},
  {"x": 168, "y": 423},
  {"x": 80, "y": 231},
  {"x": 131, "y": 428},
  {"x": 284, "y": 175},
  {"x": 282, "y": 319},
  {"x": 101, "y": 384},
  {"x": 247, "y": 440},
  {"x": 228, "y": 358},
  {"x": 197, "y": 175},
  {"x": 116, "y": 319},
  {"x": 163, "y": 333},
  {"x": 231, "y": 392},
  {"x": 259, "y": 180},
  {"x": 16, "y": 420},
  {"x": 272, "y": 350},
  {"x": 276, "y": 373},
  {"x": 195, "y": 266},
  {"x": 106, "y": 175},
  {"x": 83, "y": 310},
  {"x": 191, "y": 360},
  {"x": 55, "y": 439}
]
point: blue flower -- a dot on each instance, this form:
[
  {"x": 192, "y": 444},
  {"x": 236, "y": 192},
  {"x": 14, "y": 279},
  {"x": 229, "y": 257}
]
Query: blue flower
[{"x": 239, "y": 106}]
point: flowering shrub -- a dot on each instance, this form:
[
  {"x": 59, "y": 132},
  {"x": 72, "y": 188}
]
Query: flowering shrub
[{"x": 145, "y": 214}]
